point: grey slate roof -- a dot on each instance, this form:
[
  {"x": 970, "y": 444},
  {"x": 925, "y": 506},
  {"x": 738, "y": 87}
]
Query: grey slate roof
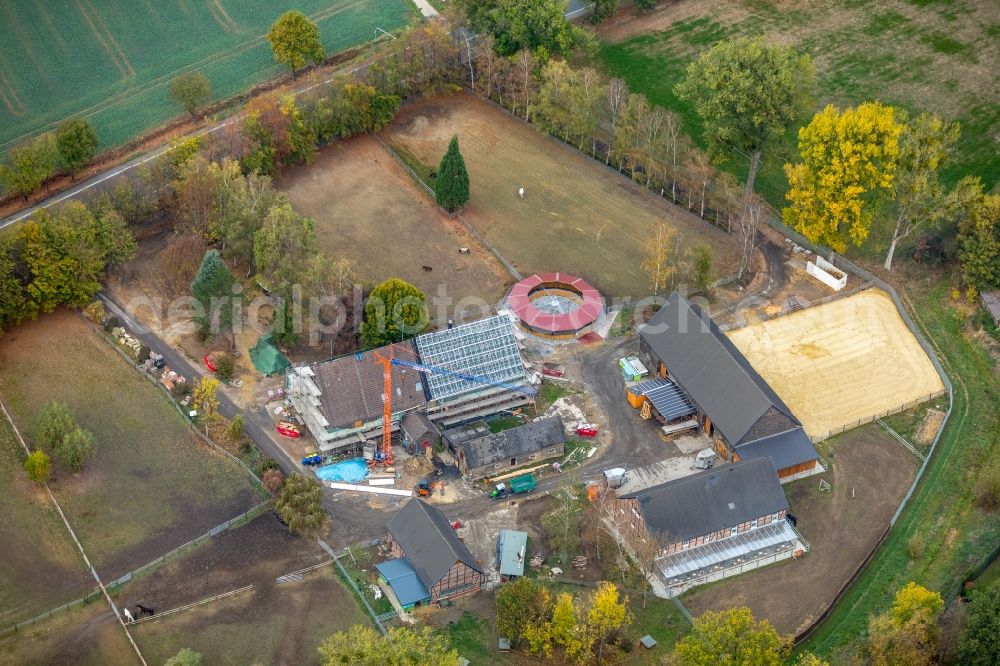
[
  {"x": 514, "y": 442},
  {"x": 351, "y": 389},
  {"x": 418, "y": 427},
  {"x": 712, "y": 500},
  {"x": 714, "y": 373},
  {"x": 784, "y": 449},
  {"x": 428, "y": 541}
]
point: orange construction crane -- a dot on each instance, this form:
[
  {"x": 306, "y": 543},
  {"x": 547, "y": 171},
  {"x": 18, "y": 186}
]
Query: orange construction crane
[
  {"x": 384, "y": 455},
  {"x": 386, "y": 451}
]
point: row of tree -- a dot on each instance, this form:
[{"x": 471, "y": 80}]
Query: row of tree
[{"x": 60, "y": 259}]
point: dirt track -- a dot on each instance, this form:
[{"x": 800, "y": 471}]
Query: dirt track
[{"x": 836, "y": 363}]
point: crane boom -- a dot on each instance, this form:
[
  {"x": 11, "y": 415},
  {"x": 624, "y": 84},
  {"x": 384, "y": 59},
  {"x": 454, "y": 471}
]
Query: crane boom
[{"x": 433, "y": 369}]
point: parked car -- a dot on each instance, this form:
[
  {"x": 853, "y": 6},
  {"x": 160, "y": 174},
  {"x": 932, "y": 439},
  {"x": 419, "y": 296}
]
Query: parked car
[{"x": 586, "y": 430}]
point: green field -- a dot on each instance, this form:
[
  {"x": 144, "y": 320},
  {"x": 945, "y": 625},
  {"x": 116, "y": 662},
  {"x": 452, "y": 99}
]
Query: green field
[
  {"x": 40, "y": 568},
  {"x": 150, "y": 485},
  {"x": 111, "y": 61},
  {"x": 922, "y": 56}
]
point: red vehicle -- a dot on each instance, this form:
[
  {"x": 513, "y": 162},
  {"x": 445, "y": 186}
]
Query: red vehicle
[
  {"x": 208, "y": 362},
  {"x": 288, "y": 429},
  {"x": 553, "y": 370},
  {"x": 586, "y": 430}
]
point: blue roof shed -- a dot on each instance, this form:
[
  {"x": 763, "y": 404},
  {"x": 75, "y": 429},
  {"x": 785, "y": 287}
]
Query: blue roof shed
[
  {"x": 511, "y": 545},
  {"x": 403, "y": 579}
]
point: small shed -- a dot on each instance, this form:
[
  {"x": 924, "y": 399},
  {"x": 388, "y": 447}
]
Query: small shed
[
  {"x": 400, "y": 575},
  {"x": 419, "y": 432},
  {"x": 991, "y": 301},
  {"x": 266, "y": 357},
  {"x": 511, "y": 546}
]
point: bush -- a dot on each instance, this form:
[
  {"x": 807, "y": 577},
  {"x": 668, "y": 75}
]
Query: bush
[
  {"x": 273, "y": 480},
  {"x": 52, "y": 424},
  {"x": 38, "y": 466},
  {"x": 180, "y": 390},
  {"x": 225, "y": 366},
  {"x": 95, "y": 312},
  {"x": 75, "y": 448},
  {"x": 915, "y": 547},
  {"x": 987, "y": 491}
]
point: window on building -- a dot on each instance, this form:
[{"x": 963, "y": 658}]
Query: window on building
[{"x": 532, "y": 456}]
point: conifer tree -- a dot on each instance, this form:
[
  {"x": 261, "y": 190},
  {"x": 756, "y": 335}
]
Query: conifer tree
[{"x": 453, "y": 180}]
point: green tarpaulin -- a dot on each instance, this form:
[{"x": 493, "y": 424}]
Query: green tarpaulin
[{"x": 266, "y": 357}]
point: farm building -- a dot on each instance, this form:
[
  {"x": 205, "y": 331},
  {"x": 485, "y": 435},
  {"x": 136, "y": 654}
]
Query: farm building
[
  {"x": 419, "y": 432},
  {"x": 991, "y": 301},
  {"x": 511, "y": 547},
  {"x": 480, "y": 453},
  {"x": 466, "y": 372},
  {"x": 713, "y": 524},
  {"x": 422, "y": 539},
  {"x": 702, "y": 380}
]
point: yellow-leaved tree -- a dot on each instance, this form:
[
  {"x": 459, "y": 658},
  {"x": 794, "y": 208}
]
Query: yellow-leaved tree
[
  {"x": 848, "y": 162},
  {"x": 205, "y": 399},
  {"x": 907, "y": 634},
  {"x": 731, "y": 638}
]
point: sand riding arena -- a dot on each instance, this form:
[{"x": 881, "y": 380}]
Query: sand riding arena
[{"x": 841, "y": 362}]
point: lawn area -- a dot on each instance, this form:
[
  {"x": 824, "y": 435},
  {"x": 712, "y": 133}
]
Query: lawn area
[
  {"x": 150, "y": 485},
  {"x": 954, "y": 535},
  {"x": 938, "y": 57},
  {"x": 112, "y": 61},
  {"x": 40, "y": 568},
  {"x": 576, "y": 215}
]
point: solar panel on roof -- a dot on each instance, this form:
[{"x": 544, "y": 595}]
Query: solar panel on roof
[
  {"x": 670, "y": 402},
  {"x": 486, "y": 348}
]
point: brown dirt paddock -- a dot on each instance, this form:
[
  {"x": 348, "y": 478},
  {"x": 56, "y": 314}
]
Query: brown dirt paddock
[
  {"x": 274, "y": 624},
  {"x": 576, "y": 216},
  {"x": 82, "y": 636},
  {"x": 841, "y": 530},
  {"x": 150, "y": 485},
  {"x": 368, "y": 210},
  {"x": 839, "y": 362}
]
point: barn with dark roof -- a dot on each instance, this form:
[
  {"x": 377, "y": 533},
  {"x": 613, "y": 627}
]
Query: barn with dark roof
[
  {"x": 732, "y": 403},
  {"x": 421, "y": 535}
]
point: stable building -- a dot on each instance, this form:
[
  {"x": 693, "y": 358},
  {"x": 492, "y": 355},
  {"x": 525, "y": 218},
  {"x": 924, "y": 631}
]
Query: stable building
[
  {"x": 701, "y": 379},
  {"x": 711, "y": 525},
  {"x": 341, "y": 400},
  {"x": 424, "y": 542},
  {"x": 479, "y": 453}
]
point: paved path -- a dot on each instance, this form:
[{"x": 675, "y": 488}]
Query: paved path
[{"x": 426, "y": 9}]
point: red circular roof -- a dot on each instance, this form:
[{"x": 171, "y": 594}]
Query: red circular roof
[{"x": 590, "y": 308}]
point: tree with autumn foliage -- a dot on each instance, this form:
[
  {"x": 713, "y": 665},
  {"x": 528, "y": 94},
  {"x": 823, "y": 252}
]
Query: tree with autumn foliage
[
  {"x": 731, "y": 637},
  {"x": 908, "y": 632},
  {"x": 294, "y": 40},
  {"x": 849, "y": 161}
]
